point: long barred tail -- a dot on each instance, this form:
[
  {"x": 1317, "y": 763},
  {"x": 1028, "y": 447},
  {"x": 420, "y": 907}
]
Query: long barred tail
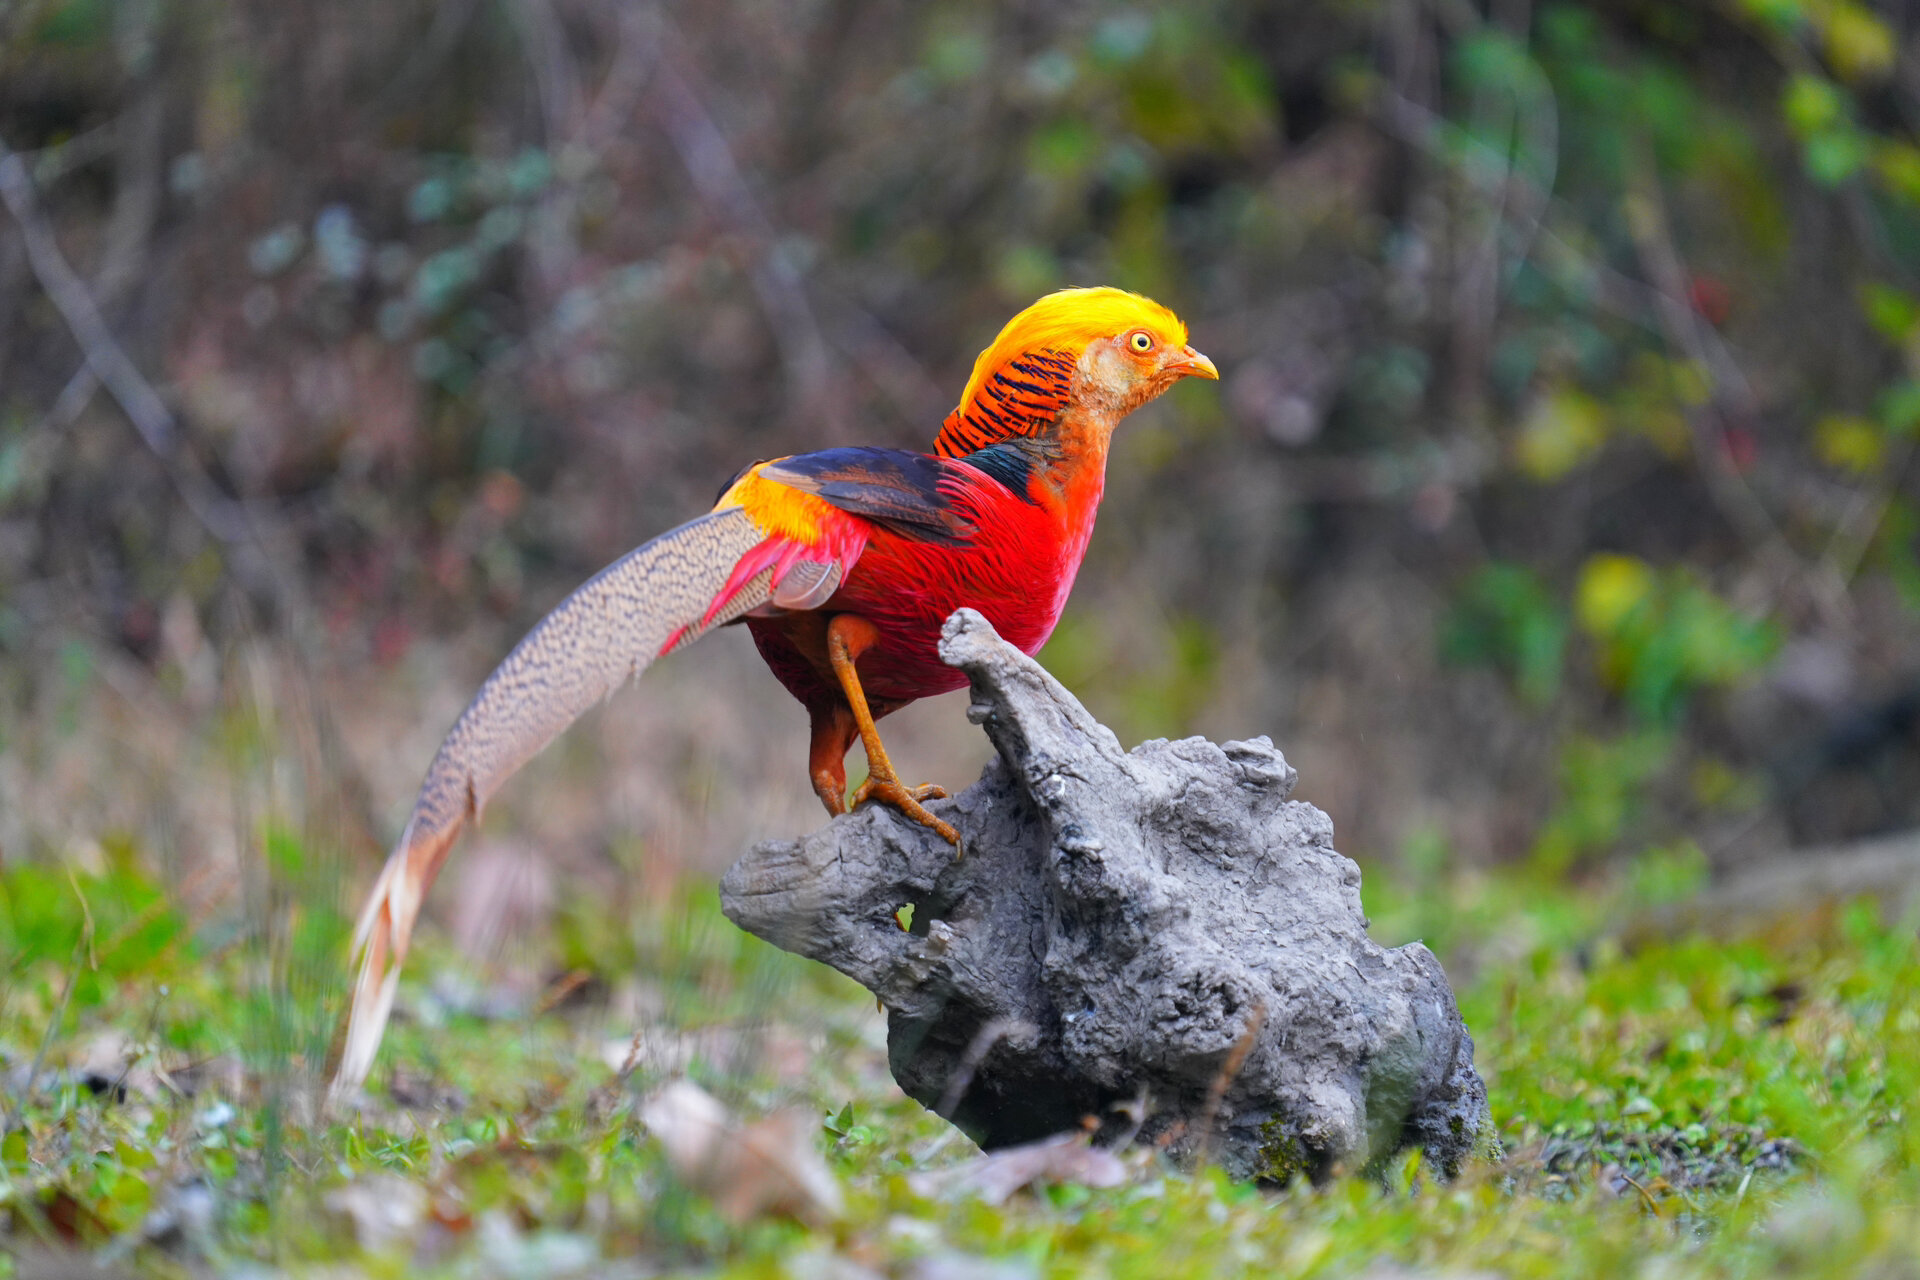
[{"x": 652, "y": 600}]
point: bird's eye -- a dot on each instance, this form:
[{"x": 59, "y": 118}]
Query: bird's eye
[{"x": 1140, "y": 340}]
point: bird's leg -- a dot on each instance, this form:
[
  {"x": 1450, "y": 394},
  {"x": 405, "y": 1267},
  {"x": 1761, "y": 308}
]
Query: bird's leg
[
  {"x": 833, "y": 733},
  {"x": 848, "y": 636}
]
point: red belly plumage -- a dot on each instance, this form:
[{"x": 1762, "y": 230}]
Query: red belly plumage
[{"x": 1017, "y": 571}]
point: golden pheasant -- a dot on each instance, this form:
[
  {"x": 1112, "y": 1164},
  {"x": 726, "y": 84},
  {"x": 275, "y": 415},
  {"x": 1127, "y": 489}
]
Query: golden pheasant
[{"x": 843, "y": 564}]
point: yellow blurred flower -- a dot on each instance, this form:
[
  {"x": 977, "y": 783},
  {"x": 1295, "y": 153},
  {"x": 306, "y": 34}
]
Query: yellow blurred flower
[{"x": 1611, "y": 588}]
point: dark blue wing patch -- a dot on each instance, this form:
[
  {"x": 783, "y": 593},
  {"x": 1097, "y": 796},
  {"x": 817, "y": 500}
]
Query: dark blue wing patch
[
  {"x": 894, "y": 488},
  {"x": 1008, "y": 462}
]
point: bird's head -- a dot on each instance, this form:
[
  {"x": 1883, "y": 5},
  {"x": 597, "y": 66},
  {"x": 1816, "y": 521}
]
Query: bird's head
[{"x": 1107, "y": 349}]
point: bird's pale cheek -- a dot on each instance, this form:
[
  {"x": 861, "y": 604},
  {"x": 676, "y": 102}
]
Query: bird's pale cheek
[{"x": 1147, "y": 389}]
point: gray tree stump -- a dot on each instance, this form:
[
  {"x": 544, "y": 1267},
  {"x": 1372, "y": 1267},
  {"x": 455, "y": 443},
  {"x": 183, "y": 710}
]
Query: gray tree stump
[{"x": 1161, "y": 926}]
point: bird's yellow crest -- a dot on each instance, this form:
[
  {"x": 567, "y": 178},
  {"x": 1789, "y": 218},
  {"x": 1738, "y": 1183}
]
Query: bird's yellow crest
[
  {"x": 1066, "y": 322},
  {"x": 1021, "y": 381}
]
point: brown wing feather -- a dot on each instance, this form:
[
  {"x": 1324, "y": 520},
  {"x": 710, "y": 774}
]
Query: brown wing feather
[{"x": 598, "y": 638}]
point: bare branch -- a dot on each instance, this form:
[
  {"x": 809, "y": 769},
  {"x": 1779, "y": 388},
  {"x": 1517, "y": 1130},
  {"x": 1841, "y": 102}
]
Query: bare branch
[
  {"x": 717, "y": 177},
  {"x": 152, "y": 420},
  {"x": 53, "y": 163},
  {"x": 1733, "y": 398},
  {"x": 554, "y": 74},
  {"x": 231, "y": 523},
  {"x": 619, "y": 93},
  {"x": 68, "y": 293},
  {"x": 1660, "y": 305},
  {"x": 70, "y": 403},
  {"x": 450, "y": 19}
]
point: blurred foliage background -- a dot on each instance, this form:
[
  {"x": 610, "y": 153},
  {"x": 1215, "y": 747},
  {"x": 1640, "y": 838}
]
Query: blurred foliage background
[{"x": 1557, "y": 504}]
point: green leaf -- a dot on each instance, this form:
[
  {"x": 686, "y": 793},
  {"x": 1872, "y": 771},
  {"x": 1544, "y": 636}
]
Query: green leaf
[
  {"x": 118, "y": 924},
  {"x": 1898, "y": 166},
  {"x": 1064, "y": 147},
  {"x": 1813, "y": 104},
  {"x": 1506, "y": 618},
  {"x": 1612, "y": 589},
  {"x": 1601, "y": 785},
  {"x": 1859, "y": 45},
  {"x": 1490, "y": 59},
  {"x": 1892, "y": 312},
  {"x": 1564, "y": 428},
  {"x": 1898, "y": 408},
  {"x": 1784, "y": 15},
  {"x": 1834, "y": 155},
  {"x": 79, "y": 24},
  {"x": 1848, "y": 442}
]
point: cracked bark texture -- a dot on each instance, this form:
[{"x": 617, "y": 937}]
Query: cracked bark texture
[{"x": 1162, "y": 924}]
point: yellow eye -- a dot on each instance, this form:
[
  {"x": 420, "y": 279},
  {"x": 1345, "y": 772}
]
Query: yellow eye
[{"x": 1140, "y": 340}]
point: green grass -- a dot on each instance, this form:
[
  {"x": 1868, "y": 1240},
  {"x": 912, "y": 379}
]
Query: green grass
[{"x": 1690, "y": 1108}]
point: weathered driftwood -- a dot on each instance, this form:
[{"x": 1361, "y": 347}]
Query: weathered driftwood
[{"x": 1162, "y": 925}]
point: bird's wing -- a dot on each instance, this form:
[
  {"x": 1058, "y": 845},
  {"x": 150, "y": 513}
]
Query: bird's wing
[
  {"x": 911, "y": 494},
  {"x": 768, "y": 549}
]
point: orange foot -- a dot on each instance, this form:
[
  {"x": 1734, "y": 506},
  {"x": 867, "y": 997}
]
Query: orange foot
[
  {"x": 847, "y": 637},
  {"x": 889, "y": 790}
]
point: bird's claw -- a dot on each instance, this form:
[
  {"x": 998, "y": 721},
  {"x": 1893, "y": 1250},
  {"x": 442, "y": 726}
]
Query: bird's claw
[{"x": 892, "y": 791}]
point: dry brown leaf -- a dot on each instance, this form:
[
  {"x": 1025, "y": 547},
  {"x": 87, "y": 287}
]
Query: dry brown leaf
[
  {"x": 112, "y": 1065},
  {"x": 764, "y": 1166},
  {"x": 384, "y": 1209},
  {"x": 1065, "y": 1157}
]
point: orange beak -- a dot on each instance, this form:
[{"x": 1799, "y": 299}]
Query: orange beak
[{"x": 1191, "y": 364}]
